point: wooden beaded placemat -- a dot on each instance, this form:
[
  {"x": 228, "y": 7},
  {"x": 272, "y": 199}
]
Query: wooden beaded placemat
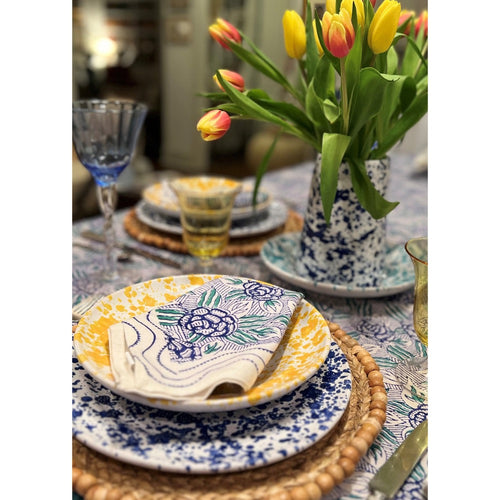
[
  {"x": 236, "y": 246},
  {"x": 307, "y": 475}
]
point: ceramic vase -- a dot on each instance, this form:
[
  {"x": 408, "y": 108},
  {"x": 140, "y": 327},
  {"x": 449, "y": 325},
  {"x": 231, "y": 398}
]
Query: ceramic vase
[{"x": 350, "y": 250}]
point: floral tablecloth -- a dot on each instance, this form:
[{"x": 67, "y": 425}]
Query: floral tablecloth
[{"x": 383, "y": 326}]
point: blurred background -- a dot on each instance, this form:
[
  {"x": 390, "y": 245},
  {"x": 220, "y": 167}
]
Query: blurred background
[{"x": 159, "y": 52}]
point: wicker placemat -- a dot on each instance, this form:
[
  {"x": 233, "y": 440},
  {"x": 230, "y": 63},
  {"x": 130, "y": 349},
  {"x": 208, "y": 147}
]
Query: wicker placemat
[
  {"x": 307, "y": 475},
  {"x": 236, "y": 246}
]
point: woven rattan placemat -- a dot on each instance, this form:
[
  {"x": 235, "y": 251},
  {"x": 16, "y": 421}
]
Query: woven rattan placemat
[
  {"x": 307, "y": 475},
  {"x": 235, "y": 247}
]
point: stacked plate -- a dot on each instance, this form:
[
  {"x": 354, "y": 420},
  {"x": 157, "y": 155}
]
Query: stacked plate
[
  {"x": 159, "y": 210},
  {"x": 298, "y": 398}
]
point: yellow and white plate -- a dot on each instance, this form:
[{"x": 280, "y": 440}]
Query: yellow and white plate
[
  {"x": 301, "y": 353},
  {"x": 162, "y": 198}
]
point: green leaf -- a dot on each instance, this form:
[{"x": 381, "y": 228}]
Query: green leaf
[
  {"x": 332, "y": 152},
  {"x": 332, "y": 110},
  {"x": 314, "y": 109},
  {"x": 369, "y": 98},
  {"x": 413, "y": 114},
  {"x": 261, "y": 170},
  {"x": 324, "y": 79},
  {"x": 353, "y": 65},
  {"x": 312, "y": 56},
  {"x": 369, "y": 198}
]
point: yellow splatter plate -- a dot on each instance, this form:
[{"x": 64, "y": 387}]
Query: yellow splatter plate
[{"x": 302, "y": 351}]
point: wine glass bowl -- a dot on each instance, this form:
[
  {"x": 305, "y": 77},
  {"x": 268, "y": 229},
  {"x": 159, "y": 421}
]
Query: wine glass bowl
[
  {"x": 206, "y": 204},
  {"x": 105, "y": 134}
]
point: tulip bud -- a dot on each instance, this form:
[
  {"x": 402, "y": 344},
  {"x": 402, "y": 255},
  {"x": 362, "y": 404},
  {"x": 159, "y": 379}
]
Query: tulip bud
[
  {"x": 422, "y": 21},
  {"x": 213, "y": 125},
  {"x": 338, "y": 32},
  {"x": 384, "y": 26},
  {"x": 231, "y": 77},
  {"x": 222, "y": 32},
  {"x": 330, "y": 6},
  {"x": 360, "y": 9},
  {"x": 295, "y": 34},
  {"x": 403, "y": 17},
  {"x": 373, "y": 3}
]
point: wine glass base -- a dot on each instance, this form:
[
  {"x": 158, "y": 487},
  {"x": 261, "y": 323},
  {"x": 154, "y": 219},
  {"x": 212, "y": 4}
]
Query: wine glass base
[{"x": 412, "y": 374}]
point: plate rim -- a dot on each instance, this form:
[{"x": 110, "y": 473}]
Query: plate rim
[
  {"x": 328, "y": 288},
  {"x": 211, "y": 405}
]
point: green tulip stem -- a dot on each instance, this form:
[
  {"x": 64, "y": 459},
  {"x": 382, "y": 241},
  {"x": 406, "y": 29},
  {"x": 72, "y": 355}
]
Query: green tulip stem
[
  {"x": 419, "y": 65},
  {"x": 345, "y": 105}
]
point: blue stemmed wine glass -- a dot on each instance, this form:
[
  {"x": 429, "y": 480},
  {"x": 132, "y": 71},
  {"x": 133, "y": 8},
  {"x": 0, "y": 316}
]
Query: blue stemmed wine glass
[{"x": 105, "y": 134}]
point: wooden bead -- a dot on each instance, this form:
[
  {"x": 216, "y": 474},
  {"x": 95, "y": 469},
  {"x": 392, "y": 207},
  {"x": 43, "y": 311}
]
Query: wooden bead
[
  {"x": 360, "y": 444},
  {"x": 378, "y": 414},
  {"x": 313, "y": 491},
  {"x": 348, "y": 465},
  {"x": 333, "y": 326},
  {"x": 374, "y": 422},
  {"x": 76, "y": 474},
  {"x": 379, "y": 405},
  {"x": 365, "y": 359},
  {"x": 131, "y": 496},
  {"x": 375, "y": 378},
  {"x": 84, "y": 482},
  {"x": 114, "y": 494},
  {"x": 299, "y": 493},
  {"x": 339, "y": 333},
  {"x": 337, "y": 472},
  {"x": 325, "y": 482},
  {"x": 366, "y": 436},
  {"x": 379, "y": 396},
  {"x": 377, "y": 388},
  {"x": 281, "y": 495},
  {"x": 352, "y": 453},
  {"x": 370, "y": 367},
  {"x": 358, "y": 351},
  {"x": 349, "y": 341},
  {"x": 372, "y": 429},
  {"x": 96, "y": 492}
]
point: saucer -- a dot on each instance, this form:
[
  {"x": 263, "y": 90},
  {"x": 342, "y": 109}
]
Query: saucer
[{"x": 279, "y": 255}]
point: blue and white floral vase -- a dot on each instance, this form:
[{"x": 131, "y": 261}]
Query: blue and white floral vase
[{"x": 350, "y": 250}]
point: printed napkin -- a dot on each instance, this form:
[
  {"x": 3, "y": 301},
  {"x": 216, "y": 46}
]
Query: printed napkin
[{"x": 222, "y": 332}]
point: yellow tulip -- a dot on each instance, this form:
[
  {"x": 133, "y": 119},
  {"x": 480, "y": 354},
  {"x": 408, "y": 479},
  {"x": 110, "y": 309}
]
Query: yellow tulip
[
  {"x": 330, "y": 6},
  {"x": 295, "y": 34},
  {"x": 316, "y": 37},
  {"x": 360, "y": 9},
  {"x": 384, "y": 26}
]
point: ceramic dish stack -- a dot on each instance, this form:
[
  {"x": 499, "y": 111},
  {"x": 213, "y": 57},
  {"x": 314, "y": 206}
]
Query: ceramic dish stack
[
  {"x": 159, "y": 210},
  {"x": 311, "y": 389}
]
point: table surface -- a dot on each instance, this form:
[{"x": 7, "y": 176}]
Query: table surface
[{"x": 383, "y": 326}]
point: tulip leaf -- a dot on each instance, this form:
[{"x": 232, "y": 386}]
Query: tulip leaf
[
  {"x": 332, "y": 152},
  {"x": 314, "y": 109},
  {"x": 312, "y": 56},
  {"x": 257, "y": 94},
  {"x": 412, "y": 115},
  {"x": 353, "y": 65},
  {"x": 261, "y": 170},
  {"x": 369, "y": 198},
  {"x": 324, "y": 80},
  {"x": 332, "y": 110},
  {"x": 369, "y": 97}
]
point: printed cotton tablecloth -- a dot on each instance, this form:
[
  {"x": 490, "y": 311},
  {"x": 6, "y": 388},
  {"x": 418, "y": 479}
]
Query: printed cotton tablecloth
[{"x": 383, "y": 326}]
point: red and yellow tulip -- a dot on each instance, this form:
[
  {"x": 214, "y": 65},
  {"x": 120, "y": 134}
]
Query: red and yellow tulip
[
  {"x": 338, "y": 32},
  {"x": 295, "y": 34},
  {"x": 384, "y": 26},
  {"x": 222, "y": 32},
  {"x": 360, "y": 9},
  {"x": 213, "y": 125},
  {"x": 403, "y": 17},
  {"x": 231, "y": 77},
  {"x": 422, "y": 21}
]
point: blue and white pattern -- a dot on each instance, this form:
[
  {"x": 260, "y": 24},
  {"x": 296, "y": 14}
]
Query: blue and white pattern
[
  {"x": 281, "y": 254},
  {"x": 274, "y": 216},
  {"x": 351, "y": 249},
  {"x": 224, "y": 331},
  {"x": 216, "y": 442}
]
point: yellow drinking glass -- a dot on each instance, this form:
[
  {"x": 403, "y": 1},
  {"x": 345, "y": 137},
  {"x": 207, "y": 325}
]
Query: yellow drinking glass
[
  {"x": 205, "y": 205},
  {"x": 413, "y": 372}
]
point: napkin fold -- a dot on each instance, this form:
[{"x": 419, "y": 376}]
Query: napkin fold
[{"x": 222, "y": 332}]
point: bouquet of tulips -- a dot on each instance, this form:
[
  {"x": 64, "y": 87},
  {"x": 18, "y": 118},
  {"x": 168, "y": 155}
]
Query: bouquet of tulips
[{"x": 356, "y": 95}]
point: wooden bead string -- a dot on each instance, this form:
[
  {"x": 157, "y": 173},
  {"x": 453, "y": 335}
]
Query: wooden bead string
[{"x": 306, "y": 476}]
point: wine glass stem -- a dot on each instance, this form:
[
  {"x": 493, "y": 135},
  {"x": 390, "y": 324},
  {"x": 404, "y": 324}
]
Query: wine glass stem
[{"x": 107, "y": 197}]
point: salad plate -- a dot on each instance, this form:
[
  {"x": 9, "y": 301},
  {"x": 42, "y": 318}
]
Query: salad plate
[
  {"x": 303, "y": 348},
  {"x": 279, "y": 254},
  {"x": 210, "y": 443},
  {"x": 274, "y": 217},
  {"x": 161, "y": 196}
]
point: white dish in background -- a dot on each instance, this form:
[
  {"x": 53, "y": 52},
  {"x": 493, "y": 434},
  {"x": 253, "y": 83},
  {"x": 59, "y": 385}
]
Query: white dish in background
[
  {"x": 279, "y": 254},
  {"x": 274, "y": 216},
  {"x": 300, "y": 354},
  {"x": 161, "y": 196}
]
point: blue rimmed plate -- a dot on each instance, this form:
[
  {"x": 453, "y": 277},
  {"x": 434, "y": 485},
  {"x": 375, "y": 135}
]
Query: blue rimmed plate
[
  {"x": 279, "y": 254},
  {"x": 210, "y": 443}
]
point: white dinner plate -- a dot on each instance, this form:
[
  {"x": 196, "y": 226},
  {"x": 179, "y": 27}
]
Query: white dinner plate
[
  {"x": 279, "y": 254},
  {"x": 161, "y": 196},
  {"x": 303, "y": 348},
  {"x": 216, "y": 442},
  {"x": 274, "y": 217}
]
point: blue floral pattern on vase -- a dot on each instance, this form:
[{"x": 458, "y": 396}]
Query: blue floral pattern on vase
[{"x": 351, "y": 249}]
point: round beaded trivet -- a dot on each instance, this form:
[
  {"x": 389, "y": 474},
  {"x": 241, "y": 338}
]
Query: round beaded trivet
[
  {"x": 236, "y": 246},
  {"x": 305, "y": 476}
]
